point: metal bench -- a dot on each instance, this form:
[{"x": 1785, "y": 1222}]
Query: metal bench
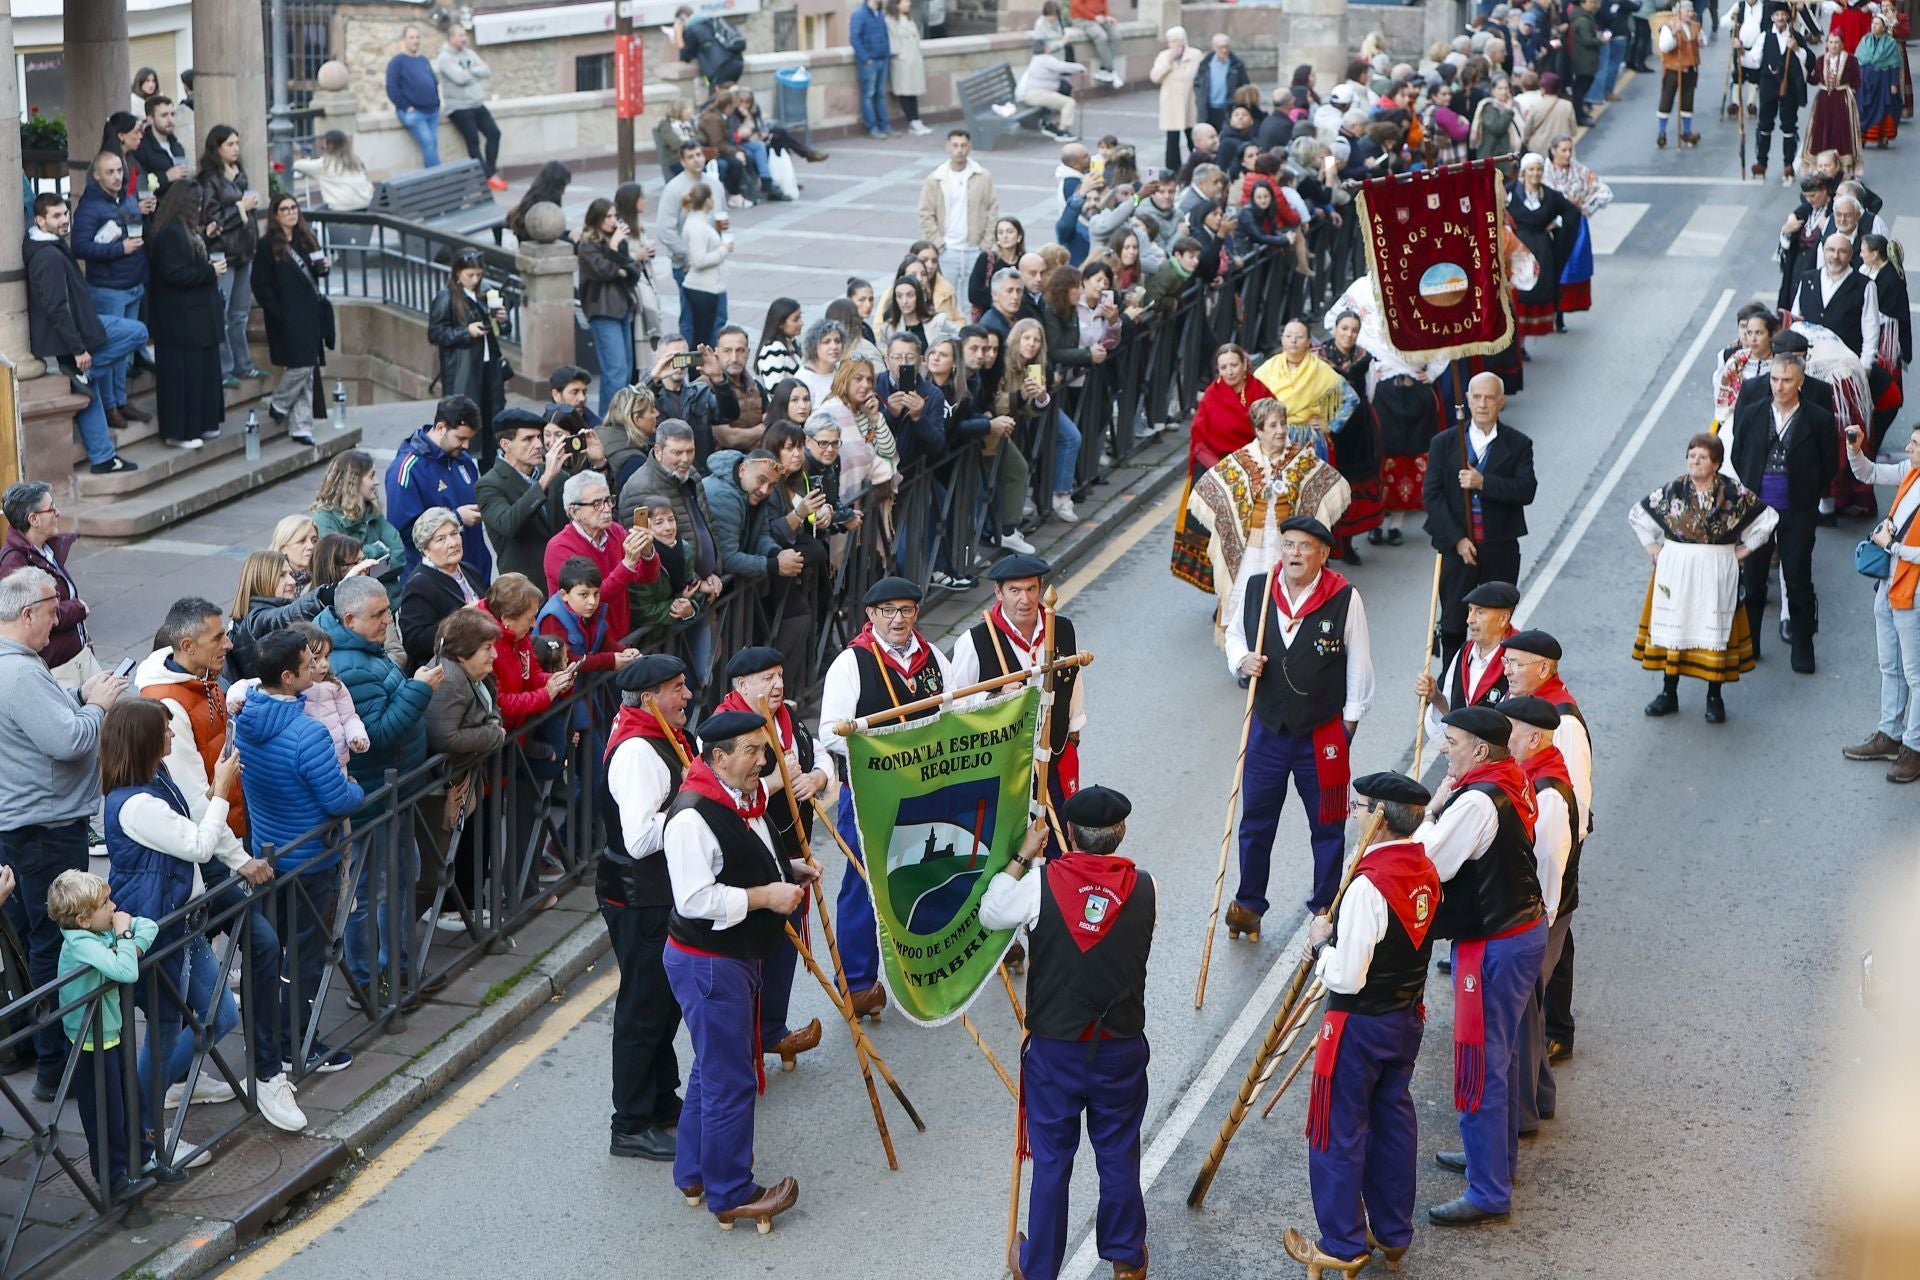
[
  {"x": 980, "y": 93},
  {"x": 452, "y": 198}
]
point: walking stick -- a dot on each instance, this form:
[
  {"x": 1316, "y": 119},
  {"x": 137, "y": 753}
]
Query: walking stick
[
  {"x": 1276, "y": 1032},
  {"x": 1299, "y": 1062},
  {"x": 1233, "y": 802},
  {"x": 1043, "y": 792},
  {"x": 1005, "y": 1079},
  {"x": 1426, "y": 663},
  {"x": 1020, "y": 1015},
  {"x": 1307, "y": 1007},
  {"x": 1019, "y": 1157},
  {"x": 1740, "y": 101},
  {"x": 861, "y": 1046}
]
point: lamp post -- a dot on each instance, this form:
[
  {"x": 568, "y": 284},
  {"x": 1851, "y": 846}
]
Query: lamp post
[{"x": 279, "y": 118}]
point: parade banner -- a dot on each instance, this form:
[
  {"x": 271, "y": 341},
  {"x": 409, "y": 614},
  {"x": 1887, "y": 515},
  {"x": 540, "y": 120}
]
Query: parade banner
[
  {"x": 1433, "y": 250},
  {"x": 942, "y": 805}
]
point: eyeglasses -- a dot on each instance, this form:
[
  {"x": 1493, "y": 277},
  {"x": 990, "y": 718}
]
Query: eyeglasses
[
  {"x": 44, "y": 600},
  {"x": 47, "y": 511},
  {"x": 595, "y": 502},
  {"x": 896, "y": 610},
  {"x": 823, "y": 444}
]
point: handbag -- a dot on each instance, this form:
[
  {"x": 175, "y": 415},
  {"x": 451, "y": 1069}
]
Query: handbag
[
  {"x": 1871, "y": 560},
  {"x": 780, "y": 168}
]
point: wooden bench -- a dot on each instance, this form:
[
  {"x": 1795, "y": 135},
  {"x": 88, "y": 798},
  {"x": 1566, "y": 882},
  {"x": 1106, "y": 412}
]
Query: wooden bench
[
  {"x": 980, "y": 93},
  {"x": 453, "y": 198}
]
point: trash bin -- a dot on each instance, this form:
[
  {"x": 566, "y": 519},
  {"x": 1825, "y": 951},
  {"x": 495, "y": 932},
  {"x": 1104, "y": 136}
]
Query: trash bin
[{"x": 790, "y": 86}]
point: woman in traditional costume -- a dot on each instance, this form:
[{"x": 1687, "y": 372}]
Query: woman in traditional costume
[
  {"x": 1242, "y": 501},
  {"x": 1750, "y": 357},
  {"x": 1537, "y": 212},
  {"x": 1836, "y": 111},
  {"x": 1880, "y": 72},
  {"x": 1697, "y": 529},
  {"x": 1221, "y": 424},
  {"x": 1574, "y": 244},
  {"x": 1356, "y": 454},
  {"x": 1888, "y": 376}
]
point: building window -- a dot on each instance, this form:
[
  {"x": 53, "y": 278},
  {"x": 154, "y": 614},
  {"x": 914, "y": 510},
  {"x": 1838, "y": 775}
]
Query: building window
[
  {"x": 593, "y": 72},
  {"x": 816, "y": 30}
]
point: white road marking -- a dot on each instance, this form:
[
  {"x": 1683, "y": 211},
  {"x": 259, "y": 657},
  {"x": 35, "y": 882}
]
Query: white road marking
[
  {"x": 1707, "y": 231},
  {"x": 1674, "y": 180},
  {"x": 1256, "y": 1014},
  {"x": 1614, "y": 224},
  {"x": 1906, "y": 229}
]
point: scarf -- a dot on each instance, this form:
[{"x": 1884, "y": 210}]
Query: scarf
[
  {"x": 1310, "y": 389},
  {"x": 783, "y": 715},
  {"x": 1507, "y": 775},
  {"x": 1090, "y": 890},
  {"x": 1556, "y": 692},
  {"x": 996, "y": 618},
  {"x": 1221, "y": 424},
  {"x": 871, "y": 643},
  {"x": 1488, "y": 678},
  {"x": 1677, "y": 509},
  {"x": 1547, "y": 764},
  {"x": 1879, "y": 52},
  {"x": 639, "y": 722},
  {"x": 1330, "y": 765},
  {"x": 703, "y": 781}
]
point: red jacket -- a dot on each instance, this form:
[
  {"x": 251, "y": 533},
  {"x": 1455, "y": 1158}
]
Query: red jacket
[
  {"x": 615, "y": 577},
  {"x": 1221, "y": 424},
  {"x": 521, "y": 684},
  {"x": 1086, "y": 10}
]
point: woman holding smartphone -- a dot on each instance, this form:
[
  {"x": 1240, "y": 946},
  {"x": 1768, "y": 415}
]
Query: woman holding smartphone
[
  {"x": 348, "y": 502},
  {"x": 468, "y": 333},
  {"x": 234, "y": 206}
]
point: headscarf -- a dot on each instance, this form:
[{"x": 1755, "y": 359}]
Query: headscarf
[
  {"x": 1310, "y": 390},
  {"x": 1882, "y": 53}
]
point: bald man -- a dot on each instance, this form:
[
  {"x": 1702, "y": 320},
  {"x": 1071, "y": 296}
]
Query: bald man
[
  {"x": 1479, "y": 483},
  {"x": 1839, "y": 297}
]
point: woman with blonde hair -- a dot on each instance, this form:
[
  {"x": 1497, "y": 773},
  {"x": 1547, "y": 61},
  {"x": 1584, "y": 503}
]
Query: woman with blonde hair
[
  {"x": 1024, "y": 390},
  {"x": 294, "y": 538},
  {"x": 349, "y": 502},
  {"x": 266, "y": 601},
  {"x": 626, "y": 433},
  {"x": 869, "y": 456}
]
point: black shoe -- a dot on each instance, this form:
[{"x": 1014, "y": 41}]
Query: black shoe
[
  {"x": 1559, "y": 1050},
  {"x": 1454, "y": 1160},
  {"x": 1461, "y": 1213},
  {"x": 1786, "y": 632},
  {"x": 648, "y": 1144},
  {"x": 1716, "y": 709},
  {"x": 1559, "y": 324},
  {"x": 1827, "y": 519},
  {"x": 44, "y": 1089},
  {"x": 1803, "y": 657},
  {"x": 1663, "y": 704},
  {"x": 113, "y": 465},
  {"x": 1444, "y": 964},
  {"x": 1351, "y": 556},
  {"x": 1376, "y": 536},
  {"x": 1393, "y": 538}
]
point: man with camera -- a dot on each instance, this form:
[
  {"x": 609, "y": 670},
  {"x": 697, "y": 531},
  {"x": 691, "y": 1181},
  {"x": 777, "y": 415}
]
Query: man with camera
[
  {"x": 689, "y": 386},
  {"x": 519, "y": 497},
  {"x": 915, "y": 410},
  {"x": 567, "y": 390}
]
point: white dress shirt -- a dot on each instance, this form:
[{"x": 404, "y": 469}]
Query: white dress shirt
[
  {"x": 1869, "y": 310},
  {"x": 1359, "y": 649},
  {"x": 1552, "y": 846},
  {"x": 964, "y": 667},
  {"x": 1459, "y": 835},
  {"x": 1577, "y": 749},
  {"x": 840, "y": 691},
  {"x": 1477, "y": 664},
  {"x": 1342, "y": 966},
  {"x": 640, "y": 784},
  {"x": 694, "y": 861},
  {"x": 152, "y": 822}
]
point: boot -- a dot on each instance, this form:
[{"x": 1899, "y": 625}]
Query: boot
[
  {"x": 1906, "y": 767},
  {"x": 869, "y": 1003},
  {"x": 1877, "y": 747},
  {"x": 134, "y": 413},
  {"x": 795, "y": 1043},
  {"x": 1300, "y": 1249},
  {"x": 1669, "y": 700},
  {"x": 1240, "y": 920},
  {"x": 1716, "y": 709},
  {"x": 763, "y": 1208}
]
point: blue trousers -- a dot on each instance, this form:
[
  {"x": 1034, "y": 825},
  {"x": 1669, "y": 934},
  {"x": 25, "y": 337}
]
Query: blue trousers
[
  {"x": 125, "y": 305},
  {"x": 757, "y": 152},
  {"x": 776, "y": 987},
  {"x": 1366, "y": 1174},
  {"x": 1537, "y": 1097},
  {"x": 613, "y": 345},
  {"x": 714, "y": 1145},
  {"x": 1061, "y": 1079},
  {"x": 1491, "y": 1135},
  {"x": 425, "y": 128},
  {"x": 38, "y": 854},
  {"x": 853, "y": 914},
  {"x": 204, "y": 984},
  {"x": 873, "y": 95},
  {"x": 123, "y": 337},
  {"x": 719, "y": 318},
  {"x": 1271, "y": 759},
  {"x": 1613, "y": 57},
  {"x": 1066, "y": 454},
  {"x": 382, "y": 908}
]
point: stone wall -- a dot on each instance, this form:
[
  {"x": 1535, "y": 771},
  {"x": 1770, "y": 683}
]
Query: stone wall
[{"x": 1267, "y": 36}]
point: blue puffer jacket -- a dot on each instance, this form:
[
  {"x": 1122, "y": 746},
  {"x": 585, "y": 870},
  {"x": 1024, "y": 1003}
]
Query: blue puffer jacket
[
  {"x": 867, "y": 33},
  {"x": 296, "y": 780},
  {"x": 109, "y": 265},
  {"x": 742, "y": 530},
  {"x": 393, "y": 707},
  {"x": 145, "y": 881}
]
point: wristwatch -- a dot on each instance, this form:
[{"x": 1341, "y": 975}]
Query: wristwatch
[{"x": 127, "y": 933}]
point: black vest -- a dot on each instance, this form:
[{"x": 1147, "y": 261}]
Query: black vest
[
  {"x": 1499, "y": 889},
  {"x": 1840, "y": 313},
  {"x": 1396, "y": 975},
  {"x": 1103, "y": 987},
  {"x": 621, "y": 881},
  {"x": 1457, "y": 692},
  {"x": 1570, "y": 878},
  {"x": 745, "y": 862},
  {"x": 780, "y": 811},
  {"x": 991, "y": 646},
  {"x": 1306, "y": 682},
  {"x": 884, "y": 690}
]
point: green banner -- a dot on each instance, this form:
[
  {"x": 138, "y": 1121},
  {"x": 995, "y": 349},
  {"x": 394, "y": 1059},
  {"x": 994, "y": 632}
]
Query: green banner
[{"x": 941, "y": 805}]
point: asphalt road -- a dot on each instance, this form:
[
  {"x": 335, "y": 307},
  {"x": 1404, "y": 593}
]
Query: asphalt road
[{"x": 1725, "y": 902}]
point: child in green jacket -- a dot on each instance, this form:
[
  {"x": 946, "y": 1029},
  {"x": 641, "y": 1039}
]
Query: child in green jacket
[
  {"x": 676, "y": 597},
  {"x": 106, "y": 945}
]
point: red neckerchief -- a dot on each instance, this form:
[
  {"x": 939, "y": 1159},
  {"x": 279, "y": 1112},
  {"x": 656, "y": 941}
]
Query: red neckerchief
[
  {"x": 737, "y": 701},
  {"x": 639, "y": 722},
  {"x": 1077, "y": 880},
  {"x": 703, "y": 781},
  {"x": 997, "y": 618},
  {"x": 1330, "y": 763},
  {"x": 871, "y": 643},
  {"x": 1324, "y": 589},
  {"x": 1488, "y": 678},
  {"x": 1403, "y": 874},
  {"x": 1548, "y": 763},
  {"x": 1326, "y": 1056},
  {"x": 1507, "y": 775},
  {"x": 1556, "y": 692}
]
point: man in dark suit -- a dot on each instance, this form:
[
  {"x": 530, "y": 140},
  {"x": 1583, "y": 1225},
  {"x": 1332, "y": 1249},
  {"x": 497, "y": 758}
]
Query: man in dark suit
[
  {"x": 1786, "y": 450},
  {"x": 1479, "y": 482},
  {"x": 519, "y": 497}
]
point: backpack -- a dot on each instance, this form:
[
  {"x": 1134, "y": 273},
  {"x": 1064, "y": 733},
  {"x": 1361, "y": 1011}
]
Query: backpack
[{"x": 727, "y": 36}]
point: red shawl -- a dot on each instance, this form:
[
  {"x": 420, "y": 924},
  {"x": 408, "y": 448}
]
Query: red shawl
[
  {"x": 1330, "y": 765},
  {"x": 997, "y": 619},
  {"x": 1510, "y": 778},
  {"x": 871, "y": 643},
  {"x": 1221, "y": 423},
  {"x": 782, "y": 714},
  {"x": 703, "y": 781},
  {"x": 1090, "y": 889},
  {"x": 1556, "y": 692},
  {"x": 639, "y": 722}
]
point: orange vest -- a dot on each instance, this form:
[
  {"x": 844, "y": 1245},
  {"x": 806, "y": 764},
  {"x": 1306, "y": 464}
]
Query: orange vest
[
  {"x": 1906, "y": 574},
  {"x": 208, "y": 715}
]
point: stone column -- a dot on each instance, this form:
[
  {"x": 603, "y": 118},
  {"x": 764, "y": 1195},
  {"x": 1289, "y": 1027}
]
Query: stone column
[
  {"x": 546, "y": 310},
  {"x": 230, "y": 80},
  {"x": 97, "y": 72},
  {"x": 13, "y": 284},
  {"x": 1317, "y": 33}
]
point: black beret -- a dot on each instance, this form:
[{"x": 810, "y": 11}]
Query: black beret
[
  {"x": 1537, "y": 712},
  {"x": 891, "y": 589},
  {"x": 754, "y": 659},
  {"x": 1534, "y": 642},
  {"x": 1791, "y": 342},
  {"x": 649, "y": 672},
  {"x": 1494, "y": 595},
  {"x": 1482, "y": 722},
  {"x": 508, "y": 421},
  {"x": 1014, "y": 567},
  {"x": 1307, "y": 525},
  {"x": 1092, "y": 807},
  {"x": 728, "y": 725},
  {"x": 1397, "y": 787}
]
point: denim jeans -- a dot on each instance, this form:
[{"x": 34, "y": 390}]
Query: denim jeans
[
  {"x": 957, "y": 266},
  {"x": 613, "y": 344},
  {"x": 302, "y": 915},
  {"x": 702, "y": 314},
  {"x": 123, "y": 338},
  {"x": 686, "y": 308},
  {"x": 873, "y": 96},
  {"x": 390, "y": 906},
  {"x": 1613, "y": 57},
  {"x": 124, "y": 304},
  {"x": 263, "y": 958},
  {"x": 37, "y": 854},
  {"x": 757, "y": 152},
  {"x": 236, "y": 295},
  {"x": 1066, "y": 454},
  {"x": 1897, "y": 636},
  {"x": 197, "y": 974},
  {"x": 425, "y": 128}
]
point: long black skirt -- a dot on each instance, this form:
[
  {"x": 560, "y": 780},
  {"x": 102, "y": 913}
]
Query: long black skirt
[{"x": 190, "y": 400}]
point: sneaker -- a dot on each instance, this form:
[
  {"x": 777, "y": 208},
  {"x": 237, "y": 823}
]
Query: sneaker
[
  {"x": 1014, "y": 542},
  {"x": 208, "y": 1088},
  {"x": 1063, "y": 509},
  {"x": 953, "y": 581},
  {"x": 917, "y": 129},
  {"x": 1102, "y": 77},
  {"x": 301, "y": 437},
  {"x": 451, "y": 921},
  {"x": 230, "y": 382},
  {"x": 878, "y": 135},
  {"x": 551, "y": 869},
  {"x": 210, "y": 435},
  {"x": 113, "y": 466},
  {"x": 277, "y": 1106},
  {"x": 255, "y": 372},
  {"x": 194, "y": 443},
  {"x": 496, "y": 183},
  {"x": 323, "y": 1061}
]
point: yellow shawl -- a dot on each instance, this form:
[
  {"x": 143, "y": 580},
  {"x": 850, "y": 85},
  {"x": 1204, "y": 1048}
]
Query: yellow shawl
[{"x": 1310, "y": 390}]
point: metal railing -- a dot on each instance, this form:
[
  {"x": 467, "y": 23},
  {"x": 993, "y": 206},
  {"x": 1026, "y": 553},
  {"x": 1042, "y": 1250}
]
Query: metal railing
[{"x": 404, "y": 265}]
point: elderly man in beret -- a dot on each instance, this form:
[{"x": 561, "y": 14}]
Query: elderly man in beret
[{"x": 1476, "y": 675}]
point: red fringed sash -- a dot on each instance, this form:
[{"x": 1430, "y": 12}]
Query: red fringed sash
[{"x": 1326, "y": 1056}]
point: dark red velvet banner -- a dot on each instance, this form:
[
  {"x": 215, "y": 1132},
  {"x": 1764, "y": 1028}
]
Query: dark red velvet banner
[{"x": 1433, "y": 248}]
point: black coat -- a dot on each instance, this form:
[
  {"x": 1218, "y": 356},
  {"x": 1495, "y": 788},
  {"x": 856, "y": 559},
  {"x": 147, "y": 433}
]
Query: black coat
[
  {"x": 1813, "y": 447},
  {"x": 299, "y": 317},
  {"x": 185, "y": 290},
  {"x": 239, "y": 230},
  {"x": 1895, "y": 308},
  {"x": 521, "y": 516},
  {"x": 464, "y": 368},
  {"x": 1509, "y": 487},
  {"x": 430, "y": 597},
  {"x": 61, "y": 317}
]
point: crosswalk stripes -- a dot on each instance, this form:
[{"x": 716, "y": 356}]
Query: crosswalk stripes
[
  {"x": 1707, "y": 231},
  {"x": 1614, "y": 223}
]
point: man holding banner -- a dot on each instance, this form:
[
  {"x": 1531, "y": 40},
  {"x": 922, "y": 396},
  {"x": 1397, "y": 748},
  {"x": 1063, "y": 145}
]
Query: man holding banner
[
  {"x": 1091, "y": 916},
  {"x": 888, "y": 665}
]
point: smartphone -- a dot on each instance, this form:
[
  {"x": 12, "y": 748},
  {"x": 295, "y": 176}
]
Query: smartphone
[
  {"x": 684, "y": 361},
  {"x": 1037, "y": 373},
  {"x": 376, "y": 550},
  {"x": 125, "y": 669},
  {"x": 642, "y": 516},
  {"x": 385, "y": 573}
]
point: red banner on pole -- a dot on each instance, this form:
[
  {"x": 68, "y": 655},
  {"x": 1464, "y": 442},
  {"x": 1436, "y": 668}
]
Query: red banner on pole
[
  {"x": 1433, "y": 249},
  {"x": 629, "y": 89}
]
